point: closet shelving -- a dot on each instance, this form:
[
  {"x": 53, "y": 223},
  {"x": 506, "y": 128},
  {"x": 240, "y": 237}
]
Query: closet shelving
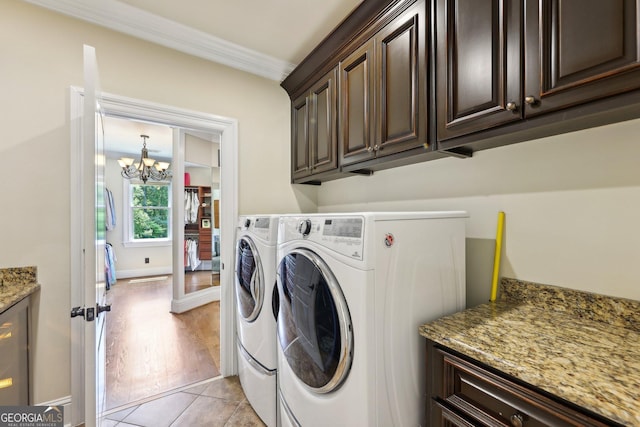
[
  {"x": 200, "y": 229},
  {"x": 205, "y": 223}
]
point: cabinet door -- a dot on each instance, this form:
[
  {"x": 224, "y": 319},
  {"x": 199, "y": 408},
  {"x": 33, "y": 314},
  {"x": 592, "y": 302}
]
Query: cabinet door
[
  {"x": 356, "y": 105},
  {"x": 579, "y": 50},
  {"x": 478, "y": 56},
  {"x": 323, "y": 137},
  {"x": 300, "y": 138},
  {"x": 401, "y": 98}
]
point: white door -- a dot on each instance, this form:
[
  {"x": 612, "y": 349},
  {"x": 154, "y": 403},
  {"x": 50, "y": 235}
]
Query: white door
[
  {"x": 92, "y": 230},
  {"x": 87, "y": 246}
]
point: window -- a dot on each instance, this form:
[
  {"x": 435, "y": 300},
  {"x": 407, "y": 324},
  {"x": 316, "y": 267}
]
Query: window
[{"x": 149, "y": 213}]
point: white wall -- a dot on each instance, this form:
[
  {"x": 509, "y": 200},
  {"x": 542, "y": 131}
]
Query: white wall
[
  {"x": 572, "y": 205},
  {"x": 40, "y": 58}
]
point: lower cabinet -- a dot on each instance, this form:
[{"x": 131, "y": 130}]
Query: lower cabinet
[
  {"x": 14, "y": 355},
  {"x": 462, "y": 393}
]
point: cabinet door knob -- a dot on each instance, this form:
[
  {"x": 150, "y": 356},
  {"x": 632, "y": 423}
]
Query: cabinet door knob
[
  {"x": 530, "y": 100},
  {"x": 511, "y": 106},
  {"x": 375, "y": 148},
  {"x": 516, "y": 420},
  {"x": 370, "y": 149}
]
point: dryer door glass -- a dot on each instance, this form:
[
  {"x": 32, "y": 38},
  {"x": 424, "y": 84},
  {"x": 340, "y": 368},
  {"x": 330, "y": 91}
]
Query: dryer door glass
[
  {"x": 249, "y": 280},
  {"x": 314, "y": 326}
]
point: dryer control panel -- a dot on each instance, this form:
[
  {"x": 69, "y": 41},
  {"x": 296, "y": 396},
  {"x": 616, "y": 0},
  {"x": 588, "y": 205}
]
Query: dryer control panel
[{"x": 261, "y": 227}]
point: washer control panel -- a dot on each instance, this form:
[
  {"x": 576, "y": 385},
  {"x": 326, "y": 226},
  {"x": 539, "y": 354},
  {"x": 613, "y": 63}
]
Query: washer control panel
[
  {"x": 343, "y": 227},
  {"x": 341, "y": 234}
]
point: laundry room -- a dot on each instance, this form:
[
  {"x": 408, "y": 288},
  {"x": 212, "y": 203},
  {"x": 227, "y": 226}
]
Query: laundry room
[{"x": 324, "y": 143}]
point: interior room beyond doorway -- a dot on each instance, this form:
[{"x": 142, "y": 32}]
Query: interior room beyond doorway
[
  {"x": 144, "y": 355},
  {"x": 149, "y": 350}
]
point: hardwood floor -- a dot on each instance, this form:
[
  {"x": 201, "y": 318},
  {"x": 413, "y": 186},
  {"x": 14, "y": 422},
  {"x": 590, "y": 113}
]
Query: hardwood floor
[
  {"x": 150, "y": 350},
  {"x": 197, "y": 280}
]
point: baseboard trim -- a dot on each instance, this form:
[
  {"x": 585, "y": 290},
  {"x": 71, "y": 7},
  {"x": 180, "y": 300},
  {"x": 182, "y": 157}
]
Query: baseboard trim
[
  {"x": 195, "y": 299},
  {"x": 143, "y": 272},
  {"x": 65, "y": 402}
]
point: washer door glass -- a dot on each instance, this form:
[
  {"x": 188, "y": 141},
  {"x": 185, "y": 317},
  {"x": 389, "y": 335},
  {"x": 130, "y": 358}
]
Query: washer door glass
[
  {"x": 314, "y": 325},
  {"x": 249, "y": 280}
]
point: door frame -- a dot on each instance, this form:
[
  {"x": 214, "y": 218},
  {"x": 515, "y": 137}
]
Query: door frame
[{"x": 129, "y": 108}]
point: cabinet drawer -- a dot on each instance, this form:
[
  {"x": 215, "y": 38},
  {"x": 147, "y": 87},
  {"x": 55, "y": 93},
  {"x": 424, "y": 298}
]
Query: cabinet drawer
[
  {"x": 204, "y": 250},
  {"x": 14, "y": 355},
  {"x": 481, "y": 396},
  {"x": 449, "y": 418}
]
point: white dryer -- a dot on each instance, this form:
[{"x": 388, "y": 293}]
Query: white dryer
[
  {"x": 353, "y": 290},
  {"x": 255, "y": 280}
]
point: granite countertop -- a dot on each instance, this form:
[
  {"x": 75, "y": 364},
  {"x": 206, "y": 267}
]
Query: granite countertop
[
  {"x": 581, "y": 347},
  {"x": 16, "y": 284}
]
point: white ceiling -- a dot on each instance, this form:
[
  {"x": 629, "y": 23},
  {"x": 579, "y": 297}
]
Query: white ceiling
[
  {"x": 122, "y": 139},
  {"x": 284, "y": 29},
  {"x": 264, "y": 37}
]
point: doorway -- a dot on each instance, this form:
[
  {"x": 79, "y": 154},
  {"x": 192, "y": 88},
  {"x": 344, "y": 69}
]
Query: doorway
[
  {"x": 131, "y": 109},
  {"x": 150, "y": 350}
]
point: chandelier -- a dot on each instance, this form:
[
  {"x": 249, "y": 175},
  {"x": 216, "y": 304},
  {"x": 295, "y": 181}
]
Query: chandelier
[{"x": 146, "y": 168}]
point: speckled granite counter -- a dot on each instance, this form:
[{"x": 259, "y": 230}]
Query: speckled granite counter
[
  {"x": 581, "y": 347},
  {"x": 16, "y": 284}
]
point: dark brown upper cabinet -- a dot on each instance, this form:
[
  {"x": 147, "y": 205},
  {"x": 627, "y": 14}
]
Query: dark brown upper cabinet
[
  {"x": 478, "y": 65},
  {"x": 578, "y": 51},
  {"x": 383, "y": 92},
  {"x": 500, "y": 61},
  {"x": 357, "y": 79},
  {"x": 314, "y": 131}
]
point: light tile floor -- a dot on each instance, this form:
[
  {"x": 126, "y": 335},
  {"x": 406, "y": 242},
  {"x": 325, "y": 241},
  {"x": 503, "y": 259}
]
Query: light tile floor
[{"x": 219, "y": 402}]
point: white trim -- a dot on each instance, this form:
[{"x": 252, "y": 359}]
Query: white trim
[
  {"x": 179, "y": 144},
  {"x": 121, "y": 17},
  {"x": 147, "y": 244},
  {"x": 119, "y": 106},
  {"x": 228, "y": 194},
  {"x": 76, "y": 411},
  {"x": 195, "y": 299},
  {"x": 65, "y": 402}
]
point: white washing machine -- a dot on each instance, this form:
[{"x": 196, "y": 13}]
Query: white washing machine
[
  {"x": 353, "y": 290},
  {"x": 255, "y": 278}
]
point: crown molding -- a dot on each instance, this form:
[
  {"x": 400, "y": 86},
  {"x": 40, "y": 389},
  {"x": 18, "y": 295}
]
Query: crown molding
[{"x": 126, "y": 19}]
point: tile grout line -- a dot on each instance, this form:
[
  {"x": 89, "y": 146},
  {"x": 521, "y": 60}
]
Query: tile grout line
[
  {"x": 185, "y": 409},
  {"x": 158, "y": 396},
  {"x": 226, "y": 423}
]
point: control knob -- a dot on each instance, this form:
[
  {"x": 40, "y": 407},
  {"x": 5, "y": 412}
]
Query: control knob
[
  {"x": 304, "y": 227},
  {"x": 247, "y": 223}
]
